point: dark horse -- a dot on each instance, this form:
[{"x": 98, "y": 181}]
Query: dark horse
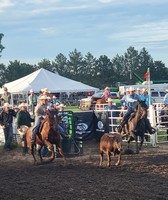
[
  {"x": 48, "y": 135},
  {"x": 136, "y": 125}
]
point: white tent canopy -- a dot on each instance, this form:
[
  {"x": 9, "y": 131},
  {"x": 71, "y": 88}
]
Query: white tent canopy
[{"x": 43, "y": 78}]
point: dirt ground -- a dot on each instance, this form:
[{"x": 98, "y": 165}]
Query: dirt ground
[{"x": 140, "y": 176}]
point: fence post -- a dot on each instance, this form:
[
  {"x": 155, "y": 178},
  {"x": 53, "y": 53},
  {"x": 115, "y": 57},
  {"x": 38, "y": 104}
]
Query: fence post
[{"x": 152, "y": 120}]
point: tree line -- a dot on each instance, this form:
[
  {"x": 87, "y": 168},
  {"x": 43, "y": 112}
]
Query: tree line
[{"x": 97, "y": 72}]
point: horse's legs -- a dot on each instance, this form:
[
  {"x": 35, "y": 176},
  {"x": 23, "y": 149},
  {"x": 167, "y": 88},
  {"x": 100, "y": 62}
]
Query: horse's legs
[
  {"x": 108, "y": 159},
  {"x": 32, "y": 152},
  {"x": 137, "y": 145},
  {"x": 60, "y": 152},
  {"x": 142, "y": 140},
  {"x": 101, "y": 159},
  {"x": 50, "y": 147},
  {"x": 128, "y": 143},
  {"x": 39, "y": 151},
  {"x": 119, "y": 159}
]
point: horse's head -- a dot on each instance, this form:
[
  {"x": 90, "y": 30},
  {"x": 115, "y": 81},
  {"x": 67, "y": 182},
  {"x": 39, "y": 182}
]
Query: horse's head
[
  {"x": 52, "y": 119},
  {"x": 142, "y": 108}
]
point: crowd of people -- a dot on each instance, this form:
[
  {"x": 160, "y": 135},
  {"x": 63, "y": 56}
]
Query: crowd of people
[
  {"x": 35, "y": 110},
  {"x": 27, "y": 113},
  {"x": 129, "y": 103}
]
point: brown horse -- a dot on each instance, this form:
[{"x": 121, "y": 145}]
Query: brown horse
[
  {"x": 47, "y": 136},
  {"x": 135, "y": 127}
]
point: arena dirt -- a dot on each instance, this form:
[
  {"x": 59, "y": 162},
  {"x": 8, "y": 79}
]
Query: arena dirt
[{"x": 140, "y": 176}]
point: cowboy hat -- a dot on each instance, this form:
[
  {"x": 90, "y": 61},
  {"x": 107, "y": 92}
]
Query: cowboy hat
[
  {"x": 7, "y": 105},
  {"x": 22, "y": 105},
  {"x": 143, "y": 89},
  {"x": 62, "y": 105},
  {"x": 44, "y": 90},
  {"x": 109, "y": 100},
  {"x": 106, "y": 88},
  {"x": 138, "y": 88},
  {"x": 43, "y": 97},
  {"x": 54, "y": 97},
  {"x": 131, "y": 89},
  {"x": 31, "y": 91}
]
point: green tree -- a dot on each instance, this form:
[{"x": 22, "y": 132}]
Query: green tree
[
  {"x": 46, "y": 64},
  {"x": 118, "y": 65},
  {"x": 2, "y": 75},
  {"x": 145, "y": 60},
  {"x": 158, "y": 71},
  {"x": 89, "y": 69},
  {"x": 60, "y": 65},
  {"x": 1, "y": 46},
  {"x": 16, "y": 70},
  {"x": 75, "y": 65},
  {"x": 104, "y": 72},
  {"x": 131, "y": 64}
]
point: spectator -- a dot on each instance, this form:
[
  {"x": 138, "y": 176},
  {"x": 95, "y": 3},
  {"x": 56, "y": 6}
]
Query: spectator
[
  {"x": 6, "y": 120},
  {"x": 138, "y": 91},
  {"x": 110, "y": 107},
  {"x": 106, "y": 94},
  {"x": 123, "y": 101},
  {"x": 32, "y": 100},
  {"x": 5, "y": 97},
  {"x": 145, "y": 97},
  {"x": 23, "y": 118},
  {"x": 55, "y": 100}
]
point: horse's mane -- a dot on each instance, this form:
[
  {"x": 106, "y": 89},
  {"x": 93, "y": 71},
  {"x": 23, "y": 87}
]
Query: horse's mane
[{"x": 50, "y": 119}]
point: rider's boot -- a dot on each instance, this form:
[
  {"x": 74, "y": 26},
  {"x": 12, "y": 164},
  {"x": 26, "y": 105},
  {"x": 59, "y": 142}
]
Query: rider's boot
[
  {"x": 64, "y": 135},
  {"x": 149, "y": 128}
]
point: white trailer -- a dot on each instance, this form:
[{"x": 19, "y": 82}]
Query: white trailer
[{"x": 154, "y": 87}]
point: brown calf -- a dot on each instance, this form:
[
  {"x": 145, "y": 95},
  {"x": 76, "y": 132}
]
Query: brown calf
[{"x": 110, "y": 144}]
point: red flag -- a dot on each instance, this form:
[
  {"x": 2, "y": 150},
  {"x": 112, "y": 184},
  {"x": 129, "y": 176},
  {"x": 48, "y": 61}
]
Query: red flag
[{"x": 146, "y": 75}]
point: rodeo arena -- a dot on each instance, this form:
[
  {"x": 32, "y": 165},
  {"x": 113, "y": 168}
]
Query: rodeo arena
[{"x": 115, "y": 146}]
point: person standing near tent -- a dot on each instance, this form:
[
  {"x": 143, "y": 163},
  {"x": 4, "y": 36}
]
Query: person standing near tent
[
  {"x": 5, "y": 97},
  {"x": 32, "y": 100},
  {"x": 6, "y": 120},
  {"x": 23, "y": 118}
]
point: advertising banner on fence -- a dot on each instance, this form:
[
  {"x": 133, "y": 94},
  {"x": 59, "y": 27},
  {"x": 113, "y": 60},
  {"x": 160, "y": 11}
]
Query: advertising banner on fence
[{"x": 84, "y": 124}]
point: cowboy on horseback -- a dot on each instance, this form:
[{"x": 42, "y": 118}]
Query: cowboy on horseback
[
  {"x": 131, "y": 100},
  {"x": 40, "y": 114},
  {"x": 146, "y": 98}
]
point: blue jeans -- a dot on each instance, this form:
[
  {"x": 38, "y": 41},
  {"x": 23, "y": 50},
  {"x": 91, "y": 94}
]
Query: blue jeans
[
  {"x": 8, "y": 133},
  {"x": 127, "y": 114},
  {"x": 36, "y": 126}
]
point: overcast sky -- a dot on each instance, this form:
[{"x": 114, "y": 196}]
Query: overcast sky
[{"x": 38, "y": 29}]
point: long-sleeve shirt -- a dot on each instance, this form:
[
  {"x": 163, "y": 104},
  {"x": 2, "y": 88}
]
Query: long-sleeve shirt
[
  {"x": 146, "y": 98},
  {"x": 6, "y": 118},
  {"x": 131, "y": 100},
  {"x": 23, "y": 118}
]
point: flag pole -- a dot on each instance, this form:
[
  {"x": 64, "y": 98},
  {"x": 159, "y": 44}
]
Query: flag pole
[{"x": 148, "y": 82}]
